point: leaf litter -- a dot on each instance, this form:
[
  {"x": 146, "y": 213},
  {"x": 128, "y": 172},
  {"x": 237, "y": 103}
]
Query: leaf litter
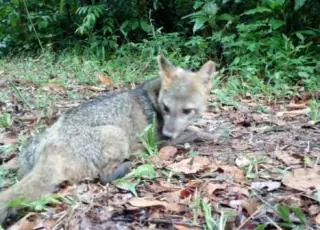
[{"x": 264, "y": 159}]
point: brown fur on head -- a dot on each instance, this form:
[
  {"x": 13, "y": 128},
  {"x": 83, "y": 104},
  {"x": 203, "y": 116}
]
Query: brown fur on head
[{"x": 183, "y": 95}]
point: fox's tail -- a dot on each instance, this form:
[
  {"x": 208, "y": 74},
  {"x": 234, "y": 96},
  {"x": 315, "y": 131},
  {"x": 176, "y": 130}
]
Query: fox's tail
[{"x": 40, "y": 181}]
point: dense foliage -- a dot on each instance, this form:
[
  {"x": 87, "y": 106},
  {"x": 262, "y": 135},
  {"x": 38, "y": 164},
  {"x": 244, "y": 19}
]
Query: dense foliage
[{"x": 259, "y": 42}]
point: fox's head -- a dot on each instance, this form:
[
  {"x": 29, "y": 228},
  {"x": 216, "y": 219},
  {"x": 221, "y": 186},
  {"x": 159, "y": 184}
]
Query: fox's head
[{"x": 183, "y": 95}]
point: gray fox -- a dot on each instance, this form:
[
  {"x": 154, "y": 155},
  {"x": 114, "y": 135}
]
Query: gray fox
[{"x": 100, "y": 134}]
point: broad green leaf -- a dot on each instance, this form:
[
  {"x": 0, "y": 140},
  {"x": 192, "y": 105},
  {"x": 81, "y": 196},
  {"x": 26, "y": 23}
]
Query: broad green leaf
[
  {"x": 210, "y": 8},
  {"x": 199, "y": 22},
  {"x": 225, "y": 17},
  {"x": 258, "y": 10},
  {"x": 197, "y": 4},
  {"x": 275, "y": 23},
  {"x": 284, "y": 212},
  {"x": 299, "y": 213},
  {"x": 298, "y": 4},
  {"x": 145, "y": 26},
  {"x": 300, "y": 36},
  {"x": 146, "y": 171},
  {"x": 303, "y": 74},
  {"x": 261, "y": 227},
  {"x": 127, "y": 185}
]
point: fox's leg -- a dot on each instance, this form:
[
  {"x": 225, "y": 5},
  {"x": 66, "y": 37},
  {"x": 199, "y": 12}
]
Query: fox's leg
[
  {"x": 115, "y": 148},
  {"x": 52, "y": 168}
]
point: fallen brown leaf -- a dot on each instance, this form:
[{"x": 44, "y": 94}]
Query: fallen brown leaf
[
  {"x": 286, "y": 158},
  {"x": 238, "y": 145},
  {"x": 212, "y": 187},
  {"x": 104, "y": 79},
  {"x": 293, "y": 113},
  {"x": 317, "y": 219},
  {"x": 28, "y": 222},
  {"x": 7, "y": 140},
  {"x": 54, "y": 87},
  {"x": 168, "y": 185},
  {"x": 150, "y": 202},
  {"x": 191, "y": 165},
  {"x": 166, "y": 153},
  {"x": 238, "y": 190},
  {"x": 303, "y": 179},
  {"x": 294, "y": 106},
  {"x": 11, "y": 164},
  {"x": 250, "y": 205},
  {"x": 184, "y": 227},
  {"x": 234, "y": 172},
  {"x": 91, "y": 88}
]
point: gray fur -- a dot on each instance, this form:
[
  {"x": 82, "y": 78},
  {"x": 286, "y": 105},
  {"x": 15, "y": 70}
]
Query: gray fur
[{"x": 100, "y": 134}]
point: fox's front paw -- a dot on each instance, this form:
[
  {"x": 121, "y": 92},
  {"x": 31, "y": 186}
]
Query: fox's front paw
[{"x": 109, "y": 174}]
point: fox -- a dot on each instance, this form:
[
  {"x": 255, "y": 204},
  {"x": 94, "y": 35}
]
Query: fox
[{"x": 100, "y": 134}]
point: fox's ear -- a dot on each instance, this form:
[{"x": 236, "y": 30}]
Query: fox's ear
[
  {"x": 206, "y": 72},
  {"x": 166, "y": 70}
]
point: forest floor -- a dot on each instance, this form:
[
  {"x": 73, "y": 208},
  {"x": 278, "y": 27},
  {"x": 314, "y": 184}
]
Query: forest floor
[{"x": 263, "y": 174}]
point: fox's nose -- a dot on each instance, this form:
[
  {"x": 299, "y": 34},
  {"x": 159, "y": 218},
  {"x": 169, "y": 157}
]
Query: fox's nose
[
  {"x": 166, "y": 134},
  {"x": 169, "y": 135}
]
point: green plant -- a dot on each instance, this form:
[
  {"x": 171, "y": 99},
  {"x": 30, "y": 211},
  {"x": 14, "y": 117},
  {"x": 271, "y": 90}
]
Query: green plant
[
  {"x": 133, "y": 178},
  {"x": 200, "y": 206},
  {"x": 149, "y": 139},
  {"x": 5, "y": 120},
  {"x": 314, "y": 113},
  {"x": 7, "y": 177},
  {"x": 285, "y": 212},
  {"x": 37, "y": 205}
]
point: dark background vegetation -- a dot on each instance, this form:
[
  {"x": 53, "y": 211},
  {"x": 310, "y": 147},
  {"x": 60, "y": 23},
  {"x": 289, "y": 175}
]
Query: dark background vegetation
[{"x": 263, "y": 46}]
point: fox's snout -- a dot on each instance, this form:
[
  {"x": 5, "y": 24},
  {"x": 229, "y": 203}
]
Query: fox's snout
[{"x": 169, "y": 133}]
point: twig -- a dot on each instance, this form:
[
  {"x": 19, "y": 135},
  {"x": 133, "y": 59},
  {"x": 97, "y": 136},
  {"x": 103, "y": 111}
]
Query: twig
[
  {"x": 34, "y": 29},
  {"x": 249, "y": 218},
  {"x": 58, "y": 222},
  {"x": 274, "y": 223}
]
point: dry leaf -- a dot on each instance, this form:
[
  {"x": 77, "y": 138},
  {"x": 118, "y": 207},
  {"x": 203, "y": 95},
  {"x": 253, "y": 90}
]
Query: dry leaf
[
  {"x": 269, "y": 185},
  {"x": 53, "y": 87},
  {"x": 238, "y": 145},
  {"x": 91, "y": 88},
  {"x": 184, "y": 227},
  {"x": 28, "y": 222},
  {"x": 238, "y": 190},
  {"x": 251, "y": 205},
  {"x": 234, "y": 172},
  {"x": 11, "y": 164},
  {"x": 286, "y": 158},
  {"x": 168, "y": 186},
  {"x": 166, "y": 153},
  {"x": 172, "y": 197},
  {"x": 189, "y": 166},
  {"x": 212, "y": 187},
  {"x": 5, "y": 140},
  {"x": 294, "y": 113},
  {"x": 303, "y": 179},
  {"x": 104, "y": 79},
  {"x": 317, "y": 219},
  {"x": 293, "y": 106},
  {"x": 150, "y": 202}
]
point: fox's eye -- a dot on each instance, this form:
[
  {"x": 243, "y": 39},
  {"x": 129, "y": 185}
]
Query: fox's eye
[
  {"x": 187, "y": 111},
  {"x": 166, "y": 108}
]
